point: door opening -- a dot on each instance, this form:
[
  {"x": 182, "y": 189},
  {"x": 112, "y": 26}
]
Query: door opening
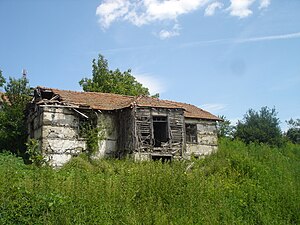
[{"x": 160, "y": 127}]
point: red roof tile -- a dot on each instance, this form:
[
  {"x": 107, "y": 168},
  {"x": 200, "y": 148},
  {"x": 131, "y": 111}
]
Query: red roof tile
[
  {"x": 192, "y": 111},
  {"x": 94, "y": 100},
  {"x": 109, "y": 101}
]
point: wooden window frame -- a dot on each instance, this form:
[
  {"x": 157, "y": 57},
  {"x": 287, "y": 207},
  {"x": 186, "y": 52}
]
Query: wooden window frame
[{"x": 191, "y": 133}]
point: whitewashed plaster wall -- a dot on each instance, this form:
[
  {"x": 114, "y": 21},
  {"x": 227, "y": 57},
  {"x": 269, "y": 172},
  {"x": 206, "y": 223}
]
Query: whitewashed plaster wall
[
  {"x": 108, "y": 135},
  {"x": 207, "y": 139},
  {"x": 60, "y": 139}
]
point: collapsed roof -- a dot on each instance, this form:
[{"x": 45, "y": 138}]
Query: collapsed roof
[{"x": 109, "y": 101}]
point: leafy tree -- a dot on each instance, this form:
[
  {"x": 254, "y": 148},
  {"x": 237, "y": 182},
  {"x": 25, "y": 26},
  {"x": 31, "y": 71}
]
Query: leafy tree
[
  {"x": 224, "y": 127},
  {"x": 13, "y": 131},
  {"x": 109, "y": 81},
  {"x": 2, "y": 79},
  {"x": 293, "y": 133},
  {"x": 261, "y": 127}
]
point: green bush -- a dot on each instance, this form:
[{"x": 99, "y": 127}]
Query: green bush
[{"x": 240, "y": 184}]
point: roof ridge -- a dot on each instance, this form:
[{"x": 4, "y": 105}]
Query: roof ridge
[{"x": 90, "y": 92}]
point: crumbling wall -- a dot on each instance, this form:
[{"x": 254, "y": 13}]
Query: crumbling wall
[
  {"x": 207, "y": 139},
  {"x": 108, "y": 135},
  {"x": 60, "y": 135},
  {"x": 58, "y": 131}
]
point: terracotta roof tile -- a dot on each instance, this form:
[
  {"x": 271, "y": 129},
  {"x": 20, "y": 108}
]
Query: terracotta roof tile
[
  {"x": 144, "y": 101},
  {"x": 108, "y": 101},
  {"x": 94, "y": 100},
  {"x": 192, "y": 111}
]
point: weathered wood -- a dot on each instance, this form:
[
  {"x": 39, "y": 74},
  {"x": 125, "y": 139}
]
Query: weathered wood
[{"x": 145, "y": 130}]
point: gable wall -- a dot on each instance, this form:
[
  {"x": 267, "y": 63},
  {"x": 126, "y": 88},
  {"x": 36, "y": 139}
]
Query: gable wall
[{"x": 207, "y": 139}]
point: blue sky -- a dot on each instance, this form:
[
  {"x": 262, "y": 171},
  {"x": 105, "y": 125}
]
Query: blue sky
[{"x": 225, "y": 56}]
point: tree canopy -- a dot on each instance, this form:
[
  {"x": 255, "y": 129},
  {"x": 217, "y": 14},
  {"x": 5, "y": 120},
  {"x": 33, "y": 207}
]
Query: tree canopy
[
  {"x": 2, "y": 79},
  {"x": 112, "y": 81},
  {"x": 13, "y": 130},
  {"x": 261, "y": 127},
  {"x": 224, "y": 127},
  {"x": 293, "y": 133}
]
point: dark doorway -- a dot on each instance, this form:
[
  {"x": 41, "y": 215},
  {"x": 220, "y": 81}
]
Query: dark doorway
[{"x": 160, "y": 127}]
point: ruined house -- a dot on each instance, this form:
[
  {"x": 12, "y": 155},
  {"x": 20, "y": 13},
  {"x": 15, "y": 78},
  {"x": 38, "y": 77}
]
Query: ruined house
[{"x": 139, "y": 127}]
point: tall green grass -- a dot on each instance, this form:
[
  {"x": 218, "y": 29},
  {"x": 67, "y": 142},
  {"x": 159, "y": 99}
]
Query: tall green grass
[{"x": 240, "y": 184}]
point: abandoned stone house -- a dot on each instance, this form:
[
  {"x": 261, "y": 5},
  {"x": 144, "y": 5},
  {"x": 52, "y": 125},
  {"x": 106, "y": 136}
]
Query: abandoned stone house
[{"x": 139, "y": 127}]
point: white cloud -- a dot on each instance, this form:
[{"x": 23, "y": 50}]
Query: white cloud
[
  {"x": 111, "y": 10},
  {"x": 214, "y": 107},
  {"x": 210, "y": 9},
  {"x": 264, "y": 4},
  {"x": 154, "y": 84},
  {"x": 142, "y": 12},
  {"x": 240, "y": 8},
  {"x": 165, "y": 34},
  {"x": 161, "y": 10}
]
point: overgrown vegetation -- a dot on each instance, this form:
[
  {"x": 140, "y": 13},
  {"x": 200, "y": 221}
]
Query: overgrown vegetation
[
  {"x": 94, "y": 130},
  {"x": 34, "y": 152},
  {"x": 240, "y": 184}
]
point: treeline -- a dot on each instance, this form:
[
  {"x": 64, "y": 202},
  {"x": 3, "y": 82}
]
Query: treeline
[{"x": 261, "y": 126}]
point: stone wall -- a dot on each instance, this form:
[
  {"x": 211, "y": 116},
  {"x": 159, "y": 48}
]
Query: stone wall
[
  {"x": 58, "y": 131},
  {"x": 207, "y": 139},
  {"x": 60, "y": 135}
]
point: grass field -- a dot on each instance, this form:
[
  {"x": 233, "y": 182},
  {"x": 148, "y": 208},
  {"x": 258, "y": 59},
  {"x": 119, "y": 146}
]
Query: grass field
[{"x": 240, "y": 184}]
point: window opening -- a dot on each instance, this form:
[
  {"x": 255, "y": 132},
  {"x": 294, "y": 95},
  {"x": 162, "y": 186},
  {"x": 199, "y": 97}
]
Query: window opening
[
  {"x": 191, "y": 133},
  {"x": 160, "y": 127}
]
